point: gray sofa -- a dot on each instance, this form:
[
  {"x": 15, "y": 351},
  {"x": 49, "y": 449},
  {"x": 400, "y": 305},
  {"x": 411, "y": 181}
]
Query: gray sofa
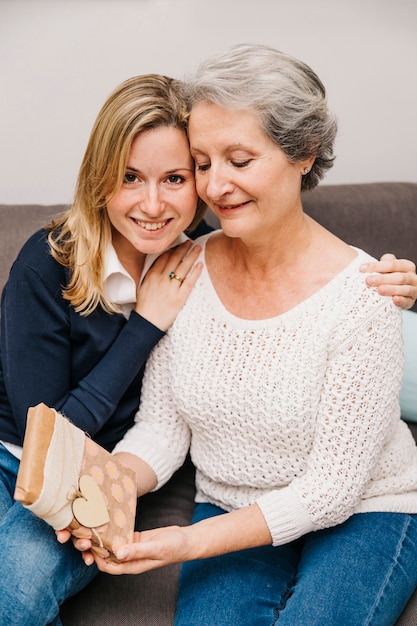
[{"x": 377, "y": 217}]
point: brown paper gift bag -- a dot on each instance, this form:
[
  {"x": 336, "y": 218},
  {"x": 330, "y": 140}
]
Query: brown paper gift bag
[{"x": 70, "y": 481}]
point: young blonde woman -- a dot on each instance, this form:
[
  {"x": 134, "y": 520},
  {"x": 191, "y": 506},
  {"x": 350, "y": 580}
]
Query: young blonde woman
[{"x": 77, "y": 323}]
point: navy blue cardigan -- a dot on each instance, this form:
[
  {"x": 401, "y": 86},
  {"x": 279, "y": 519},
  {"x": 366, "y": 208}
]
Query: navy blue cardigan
[{"x": 89, "y": 368}]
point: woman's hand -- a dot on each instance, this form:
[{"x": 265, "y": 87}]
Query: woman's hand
[
  {"x": 161, "y": 297},
  {"x": 394, "y": 277},
  {"x": 151, "y": 549}
]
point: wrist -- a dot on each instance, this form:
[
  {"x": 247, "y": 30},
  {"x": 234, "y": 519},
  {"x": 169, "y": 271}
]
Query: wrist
[{"x": 238, "y": 530}]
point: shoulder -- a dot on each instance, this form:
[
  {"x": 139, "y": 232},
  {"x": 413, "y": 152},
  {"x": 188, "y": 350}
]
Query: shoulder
[
  {"x": 36, "y": 245},
  {"x": 355, "y": 303},
  {"x": 35, "y": 258},
  {"x": 354, "y": 281}
]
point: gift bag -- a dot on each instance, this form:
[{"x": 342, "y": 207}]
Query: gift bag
[{"x": 70, "y": 481}]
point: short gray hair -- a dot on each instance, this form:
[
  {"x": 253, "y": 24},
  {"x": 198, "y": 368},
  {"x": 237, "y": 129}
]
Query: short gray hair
[{"x": 284, "y": 92}]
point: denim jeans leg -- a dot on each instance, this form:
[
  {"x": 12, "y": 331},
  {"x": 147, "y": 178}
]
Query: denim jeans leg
[
  {"x": 359, "y": 573},
  {"x": 246, "y": 587},
  {"x": 9, "y": 466},
  {"x": 36, "y": 572}
]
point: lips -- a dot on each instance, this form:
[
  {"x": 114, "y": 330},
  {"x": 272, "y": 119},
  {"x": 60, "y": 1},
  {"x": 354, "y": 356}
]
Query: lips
[{"x": 232, "y": 207}]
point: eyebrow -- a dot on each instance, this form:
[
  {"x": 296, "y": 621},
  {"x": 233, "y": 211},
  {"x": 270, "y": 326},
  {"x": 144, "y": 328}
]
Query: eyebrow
[{"x": 170, "y": 171}]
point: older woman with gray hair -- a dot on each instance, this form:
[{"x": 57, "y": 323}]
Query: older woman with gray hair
[{"x": 281, "y": 374}]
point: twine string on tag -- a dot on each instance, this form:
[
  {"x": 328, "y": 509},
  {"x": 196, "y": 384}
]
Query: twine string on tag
[{"x": 75, "y": 491}]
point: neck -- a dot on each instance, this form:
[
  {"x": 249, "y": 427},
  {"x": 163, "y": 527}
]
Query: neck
[
  {"x": 280, "y": 248},
  {"x": 132, "y": 260}
]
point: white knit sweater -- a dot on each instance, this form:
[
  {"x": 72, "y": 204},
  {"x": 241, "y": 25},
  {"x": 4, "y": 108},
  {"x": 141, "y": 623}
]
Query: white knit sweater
[{"x": 298, "y": 413}]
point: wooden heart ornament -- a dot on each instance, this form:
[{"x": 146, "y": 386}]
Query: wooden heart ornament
[{"x": 90, "y": 509}]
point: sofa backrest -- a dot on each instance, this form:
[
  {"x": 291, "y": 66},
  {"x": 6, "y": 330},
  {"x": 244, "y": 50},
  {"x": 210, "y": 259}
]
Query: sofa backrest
[
  {"x": 17, "y": 223},
  {"x": 378, "y": 217}
]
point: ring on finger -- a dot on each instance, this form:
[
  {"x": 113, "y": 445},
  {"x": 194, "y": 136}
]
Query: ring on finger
[{"x": 176, "y": 277}]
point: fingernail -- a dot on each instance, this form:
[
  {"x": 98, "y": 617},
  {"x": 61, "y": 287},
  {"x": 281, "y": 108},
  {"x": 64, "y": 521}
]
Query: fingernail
[{"x": 122, "y": 554}]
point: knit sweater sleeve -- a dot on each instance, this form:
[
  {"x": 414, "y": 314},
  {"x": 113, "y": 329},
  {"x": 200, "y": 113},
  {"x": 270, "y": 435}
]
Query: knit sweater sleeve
[
  {"x": 160, "y": 435},
  {"x": 359, "y": 403},
  {"x": 46, "y": 347}
]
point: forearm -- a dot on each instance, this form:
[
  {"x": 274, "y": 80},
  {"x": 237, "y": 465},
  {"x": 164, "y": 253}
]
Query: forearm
[
  {"x": 238, "y": 530},
  {"x": 145, "y": 476}
]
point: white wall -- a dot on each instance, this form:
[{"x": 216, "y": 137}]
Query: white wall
[{"x": 59, "y": 59}]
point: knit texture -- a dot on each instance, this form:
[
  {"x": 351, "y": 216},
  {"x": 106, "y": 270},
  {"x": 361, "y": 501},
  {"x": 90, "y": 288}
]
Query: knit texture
[{"x": 298, "y": 413}]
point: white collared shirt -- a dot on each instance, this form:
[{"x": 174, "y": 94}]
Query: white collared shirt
[{"x": 119, "y": 286}]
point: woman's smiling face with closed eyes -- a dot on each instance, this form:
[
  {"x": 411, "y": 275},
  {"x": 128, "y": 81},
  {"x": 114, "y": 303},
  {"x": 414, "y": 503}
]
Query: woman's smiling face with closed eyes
[{"x": 241, "y": 174}]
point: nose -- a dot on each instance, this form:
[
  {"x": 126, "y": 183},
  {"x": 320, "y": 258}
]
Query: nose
[
  {"x": 218, "y": 183},
  {"x": 152, "y": 202}
]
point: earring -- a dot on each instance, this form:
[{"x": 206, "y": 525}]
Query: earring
[{"x": 306, "y": 170}]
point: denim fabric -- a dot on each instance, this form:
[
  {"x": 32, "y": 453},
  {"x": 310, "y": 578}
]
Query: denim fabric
[
  {"x": 359, "y": 573},
  {"x": 36, "y": 572}
]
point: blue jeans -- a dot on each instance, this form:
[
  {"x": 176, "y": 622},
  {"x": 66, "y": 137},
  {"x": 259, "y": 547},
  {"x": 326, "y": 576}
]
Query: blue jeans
[
  {"x": 36, "y": 572},
  {"x": 359, "y": 573}
]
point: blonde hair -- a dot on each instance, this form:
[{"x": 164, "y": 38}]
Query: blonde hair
[{"x": 80, "y": 237}]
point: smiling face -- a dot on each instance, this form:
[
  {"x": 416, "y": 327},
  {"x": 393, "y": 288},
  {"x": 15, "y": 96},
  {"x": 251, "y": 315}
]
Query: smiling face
[
  {"x": 157, "y": 200},
  {"x": 241, "y": 174}
]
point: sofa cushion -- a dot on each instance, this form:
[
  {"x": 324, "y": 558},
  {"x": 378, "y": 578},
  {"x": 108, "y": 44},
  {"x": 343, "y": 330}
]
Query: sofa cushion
[{"x": 408, "y": 395}]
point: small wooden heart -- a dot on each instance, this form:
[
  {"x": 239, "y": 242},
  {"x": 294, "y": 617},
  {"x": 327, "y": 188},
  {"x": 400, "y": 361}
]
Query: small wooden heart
[{"x": 90, "y": 509}]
